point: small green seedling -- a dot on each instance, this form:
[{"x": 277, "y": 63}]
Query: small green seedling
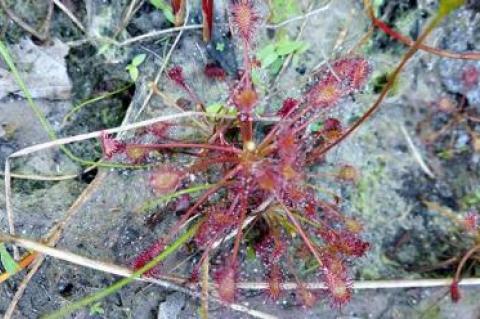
[
  {"x": 272, "y": 55},
  {"x": 219, "y": 109},
  {"x": 96, "y": 309},
  {"x": 132, "y": 68}
]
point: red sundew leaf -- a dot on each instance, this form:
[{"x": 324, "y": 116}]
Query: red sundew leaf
[
  {"x": 455, "y": 292},
  {"x": 287, "y": 141},
  {"x": 268, "y": 180},
  {"x": 288, "y": 172},
  {"x": 353, "y": 72},
  {"x": 348, "y": 173},
  {"x": 165, "y": 179},
  {"x": 306, "y": 296},
  {"x": 332, "y": 130},
  {"x": 270, "y": 248},
  {"x": 310, "y": 209},
  {"x": 176, "y": 75},
  {"x": 470, "y": 76},
  {"x": 214, "y": 71},
  {"x": 217, "y": 223},
  {"x": 325, "y": 93},
  {"x": 207, "y": 11},
  {"x": 332, "y": 124},
  {"x": 274, "y": 282},
  {"x": 344, "y": 77},
  {"x": 339, "y": 289},
  {"x": 245, "y": 100},
  {"x": 288, "y": 105},
  {"x": 470, "y": 222},
  {"x": 344, "y": 242},
  {"x": 178, "y": 8},
  {"x": 226, "y": 283},
  {"x": 110, "y": 146},
  {"x": 136, "y": 153},
  {"x": 336, "y": 280},
  {"x": 159, "y": 129},
  {"x": 245, "y": 18},
  {"x": 353, "y": 226}
]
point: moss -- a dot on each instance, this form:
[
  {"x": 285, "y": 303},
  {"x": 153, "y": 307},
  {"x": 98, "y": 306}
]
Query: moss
[
  {"x": 367, "y": 187},
  {"x": 432, "y": 312},
  {"x": 26, "y": 186}
]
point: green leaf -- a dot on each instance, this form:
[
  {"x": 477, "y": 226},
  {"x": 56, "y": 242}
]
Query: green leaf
[
  {"x": 138, "y": 59},
  {"x": 133, "y": 71},
  {"x": 315, "y": 127},
  {"x": 251, "y": 254},
  {"x": 447, "y": 6},
  {"x": 267, "y": 55},
  {"x": 166, "y": 9},
  {"x": 257, "y": 79},
  {"x": 214, "y": 108},
  {"x": 220, "y": 46},
  {"x": 7, "y": 261},
  {"x": 277, "y": 66},
  {"x": 168, "y": 13},
  {"x": 96, "y": 309},
  {"x": 219, "y": 108},
  {"x": 286, "y": 46}
]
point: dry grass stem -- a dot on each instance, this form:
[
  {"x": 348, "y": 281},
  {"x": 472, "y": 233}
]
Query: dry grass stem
[
  {"x": 69, "y": 13},
  {"x": 416, "y": 153}
]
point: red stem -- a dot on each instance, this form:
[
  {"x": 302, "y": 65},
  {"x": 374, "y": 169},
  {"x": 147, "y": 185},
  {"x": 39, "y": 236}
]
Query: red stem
[
  {"x": 301, "y": 232},
  {"x": 201, "y": 200},
  {"x": 239, "y": 228},
  {"x": 229, "y": 149}
]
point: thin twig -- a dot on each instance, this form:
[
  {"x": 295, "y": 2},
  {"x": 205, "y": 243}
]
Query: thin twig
[
  {"x": 136, "y": 125},
  {"x": 48, "y": 19},
  {"x": 416, "y": 154},
  {"x": 36, "y": 177},
  {"x": 69, "y": 13},
  {"x": 131, "y": 10},
  {"x": 300, "y": 17},
  {"x": 156, "y": 33},
  {"x": 96, "y": 134},
  {"x": 368, "y": 284},
  {"x": 8, "y": 205}
]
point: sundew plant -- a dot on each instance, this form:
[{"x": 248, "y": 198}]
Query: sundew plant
[{"x": 260, "y": 187}]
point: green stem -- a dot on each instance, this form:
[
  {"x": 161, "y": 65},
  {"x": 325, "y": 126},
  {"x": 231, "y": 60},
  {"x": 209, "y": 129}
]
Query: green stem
[
  {"x": 93, "y": 100},
  {"x": 165, "y": 198},
  {"x": 125, "y": 281}
]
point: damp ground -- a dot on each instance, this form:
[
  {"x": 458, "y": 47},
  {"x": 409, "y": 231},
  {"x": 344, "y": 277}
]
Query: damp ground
[{"x": 408, "y": 173}]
